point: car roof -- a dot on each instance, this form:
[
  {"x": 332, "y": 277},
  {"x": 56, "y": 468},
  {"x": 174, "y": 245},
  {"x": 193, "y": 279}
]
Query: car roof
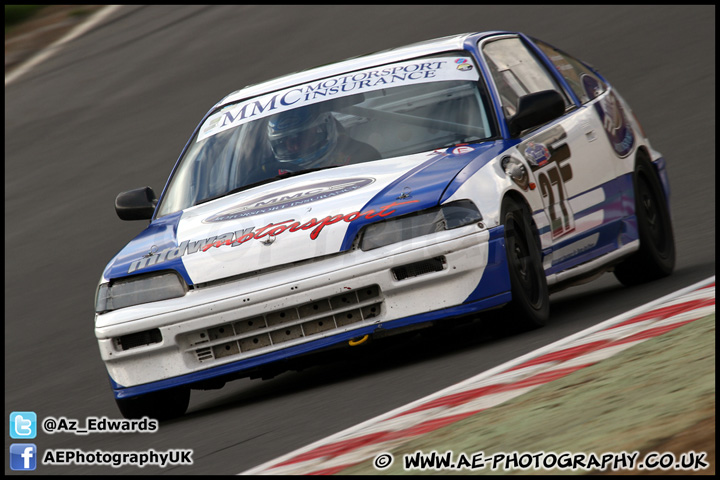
[{"x": 427, "y": 47}]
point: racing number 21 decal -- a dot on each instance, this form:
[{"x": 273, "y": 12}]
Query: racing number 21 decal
[{"x": 549, "y": 157}]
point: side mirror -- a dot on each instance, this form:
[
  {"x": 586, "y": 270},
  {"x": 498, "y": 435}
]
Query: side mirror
[
  {"x": 536, "y": 109},
  {"x": 138, "y": 204}
]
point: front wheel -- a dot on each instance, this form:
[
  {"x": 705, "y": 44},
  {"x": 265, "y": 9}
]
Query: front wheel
[
  {"x": 160, "y": 405},
  {"x": 530, "y": 305},
  {"x": 656, "y": 256}
]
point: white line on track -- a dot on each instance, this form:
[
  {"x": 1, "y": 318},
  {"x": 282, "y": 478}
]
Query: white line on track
[{"x": 46, "y": 52}]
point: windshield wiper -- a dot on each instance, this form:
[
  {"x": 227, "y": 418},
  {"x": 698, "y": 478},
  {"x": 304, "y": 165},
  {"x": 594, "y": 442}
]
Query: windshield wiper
[
  {"x": 301, "y": 172},
  {"x": 262, "y": 182}
]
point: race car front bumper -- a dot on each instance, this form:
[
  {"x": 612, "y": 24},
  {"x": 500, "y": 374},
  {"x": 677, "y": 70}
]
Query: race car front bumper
[{"x": 261, "y": 318}]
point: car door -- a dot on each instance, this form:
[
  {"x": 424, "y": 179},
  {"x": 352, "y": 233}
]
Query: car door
[{"x": 572, "y": 166}]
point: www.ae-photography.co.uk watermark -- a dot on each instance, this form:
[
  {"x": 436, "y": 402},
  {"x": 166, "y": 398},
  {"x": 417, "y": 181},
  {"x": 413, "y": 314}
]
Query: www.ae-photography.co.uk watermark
[{"x": 421, "y": 461}]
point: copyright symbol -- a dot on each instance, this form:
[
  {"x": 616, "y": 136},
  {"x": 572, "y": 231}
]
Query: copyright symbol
[
  {"x": 383, "y": 461},
  {"x": 49, "y": 425}
]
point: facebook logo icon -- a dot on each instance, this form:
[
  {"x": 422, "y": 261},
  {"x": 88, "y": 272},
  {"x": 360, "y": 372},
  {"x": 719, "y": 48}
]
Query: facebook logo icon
[
  {"x": 23, "y": 425},
  {"x": 23, "y": 456}
]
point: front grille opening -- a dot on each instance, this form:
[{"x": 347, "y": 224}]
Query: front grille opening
[
  {"x": 273, "y": 328},
  {"x": 253, "y": 343},
  {"x": 225, "y": 350},
  {"x": 416, "y": 269},
  {"x": 250, "y": 325},
  {"x": 371, "y": 311},
  {"x": 139, "y": 339},
  {"x": 319, "y": 325}
]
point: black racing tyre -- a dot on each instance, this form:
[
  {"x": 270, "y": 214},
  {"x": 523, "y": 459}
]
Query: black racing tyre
[
  {"x": 656, "y": 256},
  {"x": 530, "y": 305},
  {"x": 161, "y": 405}
]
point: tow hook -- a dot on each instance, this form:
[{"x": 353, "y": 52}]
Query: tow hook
[{"x": 358, "y": 341}]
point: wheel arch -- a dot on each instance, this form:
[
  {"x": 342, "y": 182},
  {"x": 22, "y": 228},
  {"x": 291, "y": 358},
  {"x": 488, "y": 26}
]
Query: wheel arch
[
  {"x": 520, "y": 199},
  {"x": 656, "y": 255},
  {"x": 530, "y": 305},
  {"x": 658, "y": 168},
  {"x": 642, "y": 154}
]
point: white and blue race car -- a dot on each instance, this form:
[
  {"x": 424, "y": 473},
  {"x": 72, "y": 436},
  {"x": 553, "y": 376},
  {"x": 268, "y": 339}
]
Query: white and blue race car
[{"x": 371, "y": 196}]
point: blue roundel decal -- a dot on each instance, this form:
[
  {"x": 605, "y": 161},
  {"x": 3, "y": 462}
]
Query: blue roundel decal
[
  {"x": 613, "y": 118},
  {"x": 537, "y": 154},
  {"x": 293, "y": 197}
]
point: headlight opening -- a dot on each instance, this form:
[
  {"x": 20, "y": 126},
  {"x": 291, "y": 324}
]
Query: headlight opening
[
  {"x": 426, "y": 222},
  {"x": 126, "y": 292}
]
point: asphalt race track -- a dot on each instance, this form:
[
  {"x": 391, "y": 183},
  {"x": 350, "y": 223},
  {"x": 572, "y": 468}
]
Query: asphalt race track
[{"x": 112, "y": 110}]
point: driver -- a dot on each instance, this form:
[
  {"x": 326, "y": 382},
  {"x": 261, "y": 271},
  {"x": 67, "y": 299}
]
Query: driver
[{"x": 305, "y": 138}]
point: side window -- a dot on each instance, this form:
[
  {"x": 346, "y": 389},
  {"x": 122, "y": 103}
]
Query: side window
[
  {"x": 581, "y": 79},
  {"x": 517, "y": 72}
]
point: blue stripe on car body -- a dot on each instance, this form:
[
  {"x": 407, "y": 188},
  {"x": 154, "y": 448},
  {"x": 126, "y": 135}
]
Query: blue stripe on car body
[
  {"x": 428, "y": 184},
  {"x": 160, "y": 235}
]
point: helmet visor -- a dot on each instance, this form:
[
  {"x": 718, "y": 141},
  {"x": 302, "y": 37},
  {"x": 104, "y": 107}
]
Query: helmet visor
[{"x": 301, "y": 145}]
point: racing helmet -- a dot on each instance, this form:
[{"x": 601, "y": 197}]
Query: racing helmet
[{"x": 302, "y": 137}]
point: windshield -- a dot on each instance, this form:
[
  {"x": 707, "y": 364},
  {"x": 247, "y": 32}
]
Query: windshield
[{"x": 383, "y": 112}]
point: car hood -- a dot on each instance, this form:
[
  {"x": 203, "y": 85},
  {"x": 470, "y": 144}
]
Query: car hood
[{"x": 297, "y": 218}]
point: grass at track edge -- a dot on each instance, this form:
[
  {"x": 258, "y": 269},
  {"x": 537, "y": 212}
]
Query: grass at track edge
[{"x": 637, "y": 400}]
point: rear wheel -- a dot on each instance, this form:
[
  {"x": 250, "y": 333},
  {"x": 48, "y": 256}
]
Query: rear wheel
[
  {"x": 161, "y": 405},
  {"x": 530, "y": 305},
  {"x": 656, "y": 256}
]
